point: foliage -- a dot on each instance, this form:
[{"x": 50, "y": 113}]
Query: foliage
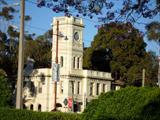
[
  {"x": 128, "y": 10},
  {"x": 153, "y": 31},
  {"x": 12, "y": 114},
  {"x": 119, "y": 48},
  {"x": 9, "y": 46},
  {"x": 151, "y": 65},
  {"x": 8, "y": 52},
  {"x": 7, "y": 13},
  {"x": 27, "y": 18},
  {"x": 130, "y": 103},
  {"x": 5, "y": 93},
  {"x": 42, "y": 56},
  {"x": 42, "y": 45},
  {"x": 86, "y": 58}
]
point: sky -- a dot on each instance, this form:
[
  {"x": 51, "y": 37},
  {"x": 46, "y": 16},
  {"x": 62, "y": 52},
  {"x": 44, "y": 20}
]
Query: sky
[{"x": 42, "y": 19}]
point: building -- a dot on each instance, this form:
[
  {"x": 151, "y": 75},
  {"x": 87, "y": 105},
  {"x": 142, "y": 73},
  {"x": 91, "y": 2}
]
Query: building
[{"x": 76, "y": 84}]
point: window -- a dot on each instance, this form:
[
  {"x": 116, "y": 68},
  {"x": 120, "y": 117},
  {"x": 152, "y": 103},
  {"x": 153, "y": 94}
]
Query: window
[
  {"x": 91, "y": 89},
  {"x": 97, "y": 92},
  {"x": 39, "y": 107},
  {"x": 78, "y": 63},
  {"x": 40, "y": 90},
  {"x": 31, "y": 107},
  {"x": 104, "y": 86},
  {"x": 42, "y": 78},
  {"x": 74, "y": 59},
  {"x": 72, "y": 87},
  {"x": 78, "y": 88},
  {"x": 39, "y": 87},
  {"x": 33, "y": 89},
  {"x": 24, "y": 107},
  {"x": 62, "y": 61},
  {"x": 61, "y": 87}
]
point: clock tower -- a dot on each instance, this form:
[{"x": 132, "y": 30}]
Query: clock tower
[
  {"x": 70, "y": 87},
  {"x": 70, "y": 43}
]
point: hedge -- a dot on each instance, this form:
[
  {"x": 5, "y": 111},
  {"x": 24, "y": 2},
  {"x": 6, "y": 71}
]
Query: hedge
[
  {"x": 13, "y": 114},
  {"x": 126, "y": 104},
  {"x": 5, "y": 92}
]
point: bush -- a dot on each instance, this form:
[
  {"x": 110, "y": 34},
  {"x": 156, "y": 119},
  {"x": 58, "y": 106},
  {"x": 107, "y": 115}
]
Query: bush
[
  {"x": 130, "y": 103},
  {"x": 13, "y": 114},
  {"x": 5, "y": 93}
]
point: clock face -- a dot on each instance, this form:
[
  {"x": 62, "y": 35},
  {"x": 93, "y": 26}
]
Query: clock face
[{"x": 76, "y": 36}]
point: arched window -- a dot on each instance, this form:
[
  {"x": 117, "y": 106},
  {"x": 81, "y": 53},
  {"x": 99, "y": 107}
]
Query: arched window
[
  {"x": 39, "y": 87},
  {"x": 74, "y": 61},
  {"x": 62, "y": 61},
  {"x": 77, "y": 62},
  {"x": 61, "y": 88},
  {"x": 97, "y": 92},
  {"x": 91, "y": 88},
  {"x": 104, "y": 87},
  {"x": 39, "y": 107},
  {"x": 31, "y": 107},
  {"x": 80, "y": 62},
  {"x": 78, "y": 88},
  {"x": 24, "y": 106}
]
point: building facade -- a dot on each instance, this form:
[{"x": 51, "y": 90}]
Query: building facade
[{"x": 76, "y": 86}]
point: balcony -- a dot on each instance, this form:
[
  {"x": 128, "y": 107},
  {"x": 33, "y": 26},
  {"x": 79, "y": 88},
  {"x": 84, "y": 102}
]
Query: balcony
[{"x": 97, "y": 74}]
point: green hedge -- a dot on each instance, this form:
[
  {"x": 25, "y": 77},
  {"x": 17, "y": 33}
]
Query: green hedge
[
  {"x": 126, "y": 104},
  {"x": 5, "y": 92},
  {"x": 13, "y": 114}
]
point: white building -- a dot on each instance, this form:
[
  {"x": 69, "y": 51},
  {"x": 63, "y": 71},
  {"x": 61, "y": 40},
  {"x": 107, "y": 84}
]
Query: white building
[{"x": 75, "y": 83}]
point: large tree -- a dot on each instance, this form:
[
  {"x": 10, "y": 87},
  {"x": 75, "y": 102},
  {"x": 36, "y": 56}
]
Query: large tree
[
  {"x": 42, "y": 46},
  {"x": 153, "y": 33},
  {"x": 9, "y": 43},
  {"x": 119, "y": 48}
]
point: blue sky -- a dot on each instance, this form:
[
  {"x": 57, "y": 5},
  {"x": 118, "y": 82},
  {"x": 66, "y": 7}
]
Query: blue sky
[{"x": 42, "y": 19}]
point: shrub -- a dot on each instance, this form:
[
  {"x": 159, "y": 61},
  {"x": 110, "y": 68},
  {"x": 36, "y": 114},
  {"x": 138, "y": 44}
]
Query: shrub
[
  {"x": 5, "y": 93},
  {"x": 130, "y": 103},
  {"x": 13, "y": 114}
]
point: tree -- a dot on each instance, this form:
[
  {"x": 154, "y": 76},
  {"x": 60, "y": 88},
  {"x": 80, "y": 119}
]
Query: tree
[
  {"x": 8, "y": 53},
  {"x": 120, "y": 49},
  {"x": 42, "y": 45},
  {"x": 9, "y": 44},
  {"x": 151, "y": 65},
  {"x": 5, "y": 92},
  {"x": 9, "y": 41},
  {"x": 129, "y": 10},
  {"x": 7, "y": 13},
  {"x": 153, "y": 31},
  {"x": 130, "y": 103},
  {"x": 42, "y": 56}
]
